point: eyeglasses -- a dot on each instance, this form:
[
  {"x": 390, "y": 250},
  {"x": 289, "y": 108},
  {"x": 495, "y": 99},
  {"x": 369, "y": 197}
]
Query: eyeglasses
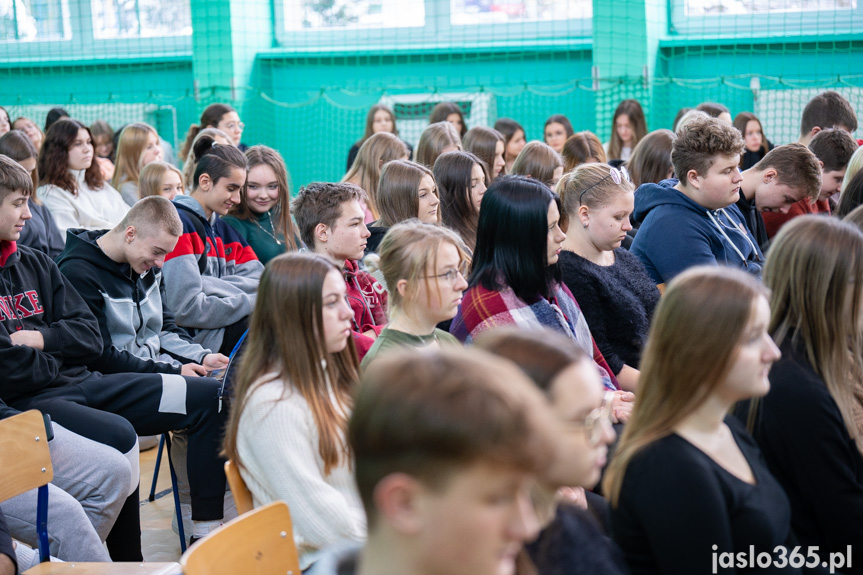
[
  {"x": 234, "y": 125},
  {"x": 452, "y": 275},
  {"x": 596, "y": 419},
  {"x": 618, "y": 176}
]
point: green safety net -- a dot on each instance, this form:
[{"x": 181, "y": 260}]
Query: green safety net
[{"x": 303, "y": 73}]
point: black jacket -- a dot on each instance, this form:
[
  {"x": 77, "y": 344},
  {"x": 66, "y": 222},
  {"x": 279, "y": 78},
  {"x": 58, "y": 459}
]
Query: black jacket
[
  {"x": 139, "y": 334},
  {"x": 754, "y": 222},
  {"x": 34, "y": 295}
]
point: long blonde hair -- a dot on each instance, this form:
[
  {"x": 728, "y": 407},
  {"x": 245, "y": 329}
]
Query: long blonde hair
[
  {"x": 379, "y": 149},
  {"x": 815, "y": 263},
  {"x": 696, "y": 333},
  {"x": 153, "y": 175},
  {"x": 291, "y": 342},
  {"x": 133, "y": 142}
]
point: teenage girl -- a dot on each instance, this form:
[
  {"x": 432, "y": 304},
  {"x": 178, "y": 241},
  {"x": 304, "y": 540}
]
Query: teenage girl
[
  {"x": 138, "y": 146},
  {"x": 263, "y": 216},
  {"x": 160, "y": 179},
  {"x": 71, "y": 183}
]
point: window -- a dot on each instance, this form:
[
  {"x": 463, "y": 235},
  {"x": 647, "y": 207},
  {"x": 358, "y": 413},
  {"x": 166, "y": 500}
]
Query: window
[
  {"x": 32, "y": 20},
  {"x": 764, "y": 18},
  {"x": 353, "y": 14},
  {"x": 471, "y": 12},
  {"x": 702, "y": 7},
  {"x": 141, "y": 18}
]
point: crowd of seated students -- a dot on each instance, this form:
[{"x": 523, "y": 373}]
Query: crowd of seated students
[{"x": 446, "y": 351}]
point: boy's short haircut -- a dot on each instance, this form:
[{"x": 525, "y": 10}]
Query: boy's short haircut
[
  {"x": 13, "y": 178},
  {"x": 429, "y": 413},
  {"x": 321, "y": 203},
  {"x": 699, "y": 142},
  {"x": 834, "y": 147},
  {"x": 151, "y": 214},
  {"x": 828, "y": 110},
  {"x": 796, "y": 167}
]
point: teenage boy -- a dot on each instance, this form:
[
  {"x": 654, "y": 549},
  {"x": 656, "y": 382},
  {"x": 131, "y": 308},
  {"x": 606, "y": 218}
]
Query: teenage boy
[
  {"x": 826, "y": 110},
  {"x": 48, "y": 336},
  {"x": 693, "y": 221},
  {"x": 91, "y": 482},
  {"x": 446, "y": 444},
  {"x": 833, "y": 147},
  {"x": 118, "y": 273},
  {"x": 331, "y": 222},
  {"x": 786, "y": 175}
]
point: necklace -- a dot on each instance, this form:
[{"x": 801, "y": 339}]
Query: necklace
[{"x": 263, "y": 229}]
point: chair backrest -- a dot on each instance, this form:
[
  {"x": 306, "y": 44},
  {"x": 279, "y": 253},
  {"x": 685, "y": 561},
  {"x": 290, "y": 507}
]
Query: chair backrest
[
  {"x": 241, "y": 493},
  {"x": 24, "y": 455},
  {"x": 261, "y": 541}
]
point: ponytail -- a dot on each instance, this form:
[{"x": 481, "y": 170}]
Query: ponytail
[{"x": 215, "y": 160}]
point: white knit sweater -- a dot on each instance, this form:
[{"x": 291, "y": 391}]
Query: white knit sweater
[
  {"x": 277, "y": 440},
  {"x": 90, "y": 209}
]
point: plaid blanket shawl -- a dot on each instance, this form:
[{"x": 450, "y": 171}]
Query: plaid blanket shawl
[{"x": 483, "y": 309}]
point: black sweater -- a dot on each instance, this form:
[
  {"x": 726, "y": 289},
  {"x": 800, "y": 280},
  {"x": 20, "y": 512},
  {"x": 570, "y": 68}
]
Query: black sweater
[
  {"x": 809, "y": 450},
  {"x": 617, "y": 301},
  {"x": 34, "y": 295},
  {"x": 677, "y": 503},
  {"x": 574, "y": 544}
]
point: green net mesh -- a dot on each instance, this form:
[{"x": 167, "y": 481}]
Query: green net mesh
[{"x": 303, "y": 73}]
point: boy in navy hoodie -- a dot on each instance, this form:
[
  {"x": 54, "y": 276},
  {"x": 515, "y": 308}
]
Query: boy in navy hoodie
[
  {"x": 694, "y": 220},
  {"x": 48, "y": 337}
]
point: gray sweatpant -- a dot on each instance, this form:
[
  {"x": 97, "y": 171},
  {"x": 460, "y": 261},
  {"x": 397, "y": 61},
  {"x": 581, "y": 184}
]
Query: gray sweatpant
[{"x": 91, "y": 483}]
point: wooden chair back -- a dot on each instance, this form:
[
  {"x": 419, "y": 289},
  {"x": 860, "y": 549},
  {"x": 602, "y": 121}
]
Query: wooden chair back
[
  {"x": 24, "y": 455},
  {"x": 260, "y": 541},
  {"x": 241, "y": 493}
]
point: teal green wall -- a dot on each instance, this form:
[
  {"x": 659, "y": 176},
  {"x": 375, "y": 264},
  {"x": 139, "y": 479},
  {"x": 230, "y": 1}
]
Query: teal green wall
[
  {"x": 315, "y": 139},
  {"x": 311, "y": 104}
]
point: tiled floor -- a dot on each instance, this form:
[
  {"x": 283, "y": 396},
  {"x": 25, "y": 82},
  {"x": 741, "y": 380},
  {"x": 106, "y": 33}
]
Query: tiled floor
[{"x": 159, "y": 541}]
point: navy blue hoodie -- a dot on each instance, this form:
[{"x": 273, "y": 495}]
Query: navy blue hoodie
[{"x": 676, "y": 233}]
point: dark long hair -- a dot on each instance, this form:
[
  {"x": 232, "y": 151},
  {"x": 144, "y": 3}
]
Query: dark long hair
[
  {"x": 452, "y": 174},
  {"x": 211, "y": 116},
  {"x": 370, "y": 122},
  {"x": 441, "y": 112},
  {"x": 53, "y": 163},
  {"x": 216, "y": 161},
  {"x": 511, "y": 239}
]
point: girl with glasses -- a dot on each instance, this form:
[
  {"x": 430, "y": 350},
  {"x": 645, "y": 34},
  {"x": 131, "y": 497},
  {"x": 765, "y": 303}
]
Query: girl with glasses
[
  {"x": 424, "y": 266},
  {"x": 687, "y": 482},
  {"x": 220, "y": 116},
  {"x": 611, "y": 284},
  {"x": 574, "y": 537}
]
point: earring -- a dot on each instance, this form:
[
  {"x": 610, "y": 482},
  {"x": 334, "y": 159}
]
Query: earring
[{"x": 585, "y": 224}]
